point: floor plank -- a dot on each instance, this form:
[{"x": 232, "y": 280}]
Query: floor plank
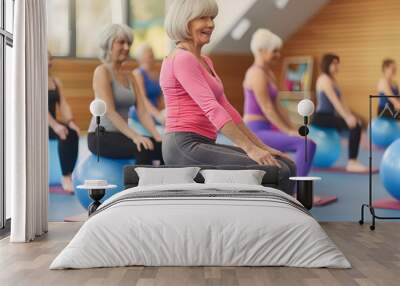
[{"x": 375, "y": 257}]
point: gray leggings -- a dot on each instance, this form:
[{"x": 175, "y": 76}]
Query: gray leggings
[{"x": 186, "y": 148}]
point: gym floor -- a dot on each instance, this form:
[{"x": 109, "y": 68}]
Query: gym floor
[{"x": 350, "y": 189}]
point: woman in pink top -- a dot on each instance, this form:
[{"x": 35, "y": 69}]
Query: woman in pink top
[{"x": 197, "y": 106}]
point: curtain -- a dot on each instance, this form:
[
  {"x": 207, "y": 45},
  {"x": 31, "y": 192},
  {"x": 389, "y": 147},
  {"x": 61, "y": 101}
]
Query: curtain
[{"x": 26, "y": 123}]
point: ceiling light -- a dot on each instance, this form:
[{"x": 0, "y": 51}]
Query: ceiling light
[
  {"x": 240, "y": 29},
  {"x": 281, "y": 4}
]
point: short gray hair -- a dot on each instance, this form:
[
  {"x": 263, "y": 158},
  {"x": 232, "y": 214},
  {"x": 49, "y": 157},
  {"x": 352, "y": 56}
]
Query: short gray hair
[
  {"x": 264, "y": 39},
  {"x": 141, "y": 50},
  {"x": 181, "y": 12},
  {"x": 108, "y": 36}
]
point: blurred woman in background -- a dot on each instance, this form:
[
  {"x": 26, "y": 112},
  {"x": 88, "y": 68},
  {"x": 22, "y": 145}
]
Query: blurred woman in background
[
  {"x": 147, "y": 76},
  {"x": 64, "y": 130},
  {"x": 263, "y": 113},
  {"x": 388, "y": 107},
  {"x": 332, "y": 112},
  {"x": 118, "y": 88}
]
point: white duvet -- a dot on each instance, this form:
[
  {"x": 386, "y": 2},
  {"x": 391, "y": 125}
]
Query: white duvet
[{"x": 188, "y": 231}]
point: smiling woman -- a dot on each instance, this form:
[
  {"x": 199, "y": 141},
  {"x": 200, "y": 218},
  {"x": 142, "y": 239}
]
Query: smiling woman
[
  {"x": 118, "y": 88},
  {"x": 196, "y": 104}
]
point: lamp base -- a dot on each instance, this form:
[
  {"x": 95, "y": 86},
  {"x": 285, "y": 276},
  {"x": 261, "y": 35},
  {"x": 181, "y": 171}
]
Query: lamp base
[
  {"x": 96, "y": 195},
  {"x": 305, "y": 193}
]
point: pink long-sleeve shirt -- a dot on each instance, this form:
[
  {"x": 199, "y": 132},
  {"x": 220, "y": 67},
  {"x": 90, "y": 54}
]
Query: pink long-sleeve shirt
[{"x": 195, "y": 99}]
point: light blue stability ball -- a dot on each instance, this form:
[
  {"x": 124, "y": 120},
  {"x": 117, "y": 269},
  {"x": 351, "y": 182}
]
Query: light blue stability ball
[
  {"x": 106, "y": 169},
  {"x": 328, "y": 146},
  {"x": 55, "y": 173},
  {"x": 384, "y": 131},
  {"x": 389, "y": 171}
]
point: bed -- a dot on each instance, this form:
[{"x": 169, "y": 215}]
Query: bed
[{"x": 198, "y": 224}]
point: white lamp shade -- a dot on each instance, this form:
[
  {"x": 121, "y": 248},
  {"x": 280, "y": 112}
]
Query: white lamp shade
[
  {"x": 98, "y": 107},
  {"x": 305, "y": 107}
]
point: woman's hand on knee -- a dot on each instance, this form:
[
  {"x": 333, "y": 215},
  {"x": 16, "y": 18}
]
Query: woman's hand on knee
[
  {"x": 61, "y": 131},
  {"x": 143, "y": 141},
  {"x": 74, "y": 127},
  {"x": 262, "y": 157},
  {"x": 157, "y": 137},
  {"x": 277, "y": 153},
  {"x": 351, "y": 121}
]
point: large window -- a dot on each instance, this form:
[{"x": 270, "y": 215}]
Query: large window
[
  {"x": 74, "y": 26},
  {"x": 58, "y": 11},
  {"x": 6, "y": 43},
  {"x": 91, "y": 16},
  {"x": 147, "y": 20}
]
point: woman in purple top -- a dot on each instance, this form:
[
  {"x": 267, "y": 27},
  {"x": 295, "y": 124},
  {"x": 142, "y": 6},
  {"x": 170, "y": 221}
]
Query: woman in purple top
[{"x": 263, "y": 113}]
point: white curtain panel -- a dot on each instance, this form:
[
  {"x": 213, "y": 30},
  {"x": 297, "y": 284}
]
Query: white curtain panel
[{"x": 26, "y": 123}]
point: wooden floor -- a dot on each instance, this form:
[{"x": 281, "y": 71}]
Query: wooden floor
[{"x": 375, "y": 257}]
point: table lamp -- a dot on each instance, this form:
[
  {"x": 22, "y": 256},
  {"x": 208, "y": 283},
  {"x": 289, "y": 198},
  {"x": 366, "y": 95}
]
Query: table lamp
[
  {"x": 305, "y": 108},
  {"x": 98, "y": 108}
]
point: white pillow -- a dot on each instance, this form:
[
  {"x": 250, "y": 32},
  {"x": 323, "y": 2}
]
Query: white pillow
[
  {"x": 166, "y": 176},
  {"x": 248, "y": 177}
]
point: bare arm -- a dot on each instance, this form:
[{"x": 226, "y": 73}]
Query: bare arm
[
  {"x": 142, "y": 112},
  {"x": 52, "y": 121},
  {"x": 149, "y": 106},
  {"x": 58, "y": 128},
  {"x": 65, "y": 109},
  {"x": 258, "y": 84},
  {"x": 161, "y": 102},
  {"x": 102, "y": 89},
  {"x": 326, "y": 86}
]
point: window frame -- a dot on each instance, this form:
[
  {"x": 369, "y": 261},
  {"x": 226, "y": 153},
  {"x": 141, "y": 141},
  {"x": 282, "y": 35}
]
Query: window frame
[
  {"x": 72, "y": 28},
  {"x": 6, "y": 39}
]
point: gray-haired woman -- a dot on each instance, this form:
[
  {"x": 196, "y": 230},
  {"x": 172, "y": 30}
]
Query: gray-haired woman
[
  {"x": 117, "y": 87},
  {"x": 197, "y": 106}
]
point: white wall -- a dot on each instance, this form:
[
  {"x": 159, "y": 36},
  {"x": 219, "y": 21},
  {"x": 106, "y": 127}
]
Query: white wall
[{"x": 265, "y": 14}]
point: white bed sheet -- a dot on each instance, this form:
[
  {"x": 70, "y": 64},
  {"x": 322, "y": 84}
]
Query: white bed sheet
[{"x": 200, "y": 232}]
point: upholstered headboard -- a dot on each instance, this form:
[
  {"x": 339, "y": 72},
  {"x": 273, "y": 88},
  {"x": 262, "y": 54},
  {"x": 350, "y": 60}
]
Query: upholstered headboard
[{"x": 270, "y": 179}]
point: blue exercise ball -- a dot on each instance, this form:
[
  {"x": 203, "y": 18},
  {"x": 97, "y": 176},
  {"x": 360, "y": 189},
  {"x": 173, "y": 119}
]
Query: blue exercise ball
[
  {"x": 328, "y": 146},
  {"x": 55, "y": 173},
  {"x": 106, "y": 169},
  {"x": 389, "y": 171},
  {"x": 222, "y": 139},
  {"x": 384, "y": 131},
  {"x": 135, "y": 124}
]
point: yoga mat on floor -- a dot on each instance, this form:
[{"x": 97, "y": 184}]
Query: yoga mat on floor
[
  {"x": 343, "y": 170},
  {"x": 323, "y": 201},
  {"x": 77, "y": 218},
  {"x": 58, "y": 189},
  {"x": 386, "y": 203}
]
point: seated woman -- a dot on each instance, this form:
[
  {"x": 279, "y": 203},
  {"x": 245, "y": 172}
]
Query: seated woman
[
  {"x": 263, "y": 113},
  {"x": 147, "y": 76},
  {"x": 65, "y": 130},
  {"x": 388, "y": 107},
  {"x": 118, "y": 88},
  {"x": 196, "y": 104},
  {"x": 332, "y": 112}
]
